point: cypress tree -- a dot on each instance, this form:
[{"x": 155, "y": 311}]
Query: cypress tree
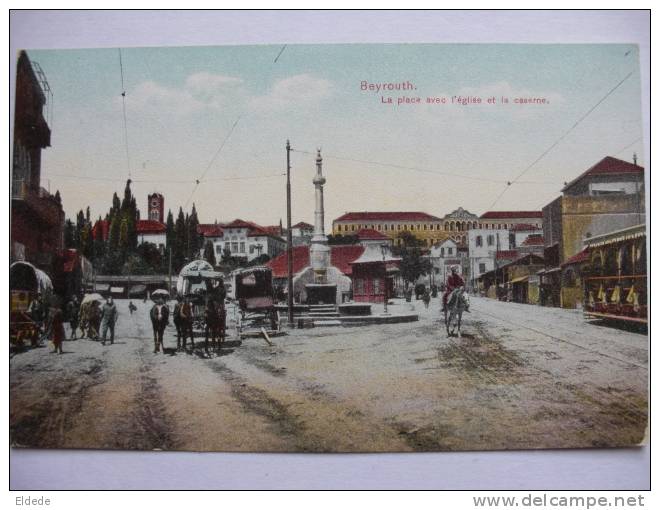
[
  {"x": 169, "y": 230},
  {"x": 179, "y": 251},
  {"x": 193, "y": 241}
]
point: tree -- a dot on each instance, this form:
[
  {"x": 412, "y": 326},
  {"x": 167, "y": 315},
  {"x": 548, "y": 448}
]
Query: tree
[
  {"x": 113, "y": 231},
  {"x": 69, "y": 234},
  {"x": 193, "y": 242},
  {"x": 259, "y": 261},
  {"x": 99, "y": 243},
  {"x": 58, "y": 197},
  {"x": 86, "y": 241},
  {"x": 209, "y": 253},
  {"x": 169, "y": 231},
  {"x": 413, "y": 265},
  {"x": 123, "y": 236},
  {"x": 179, "y": 251},
  {"x": 151, "y": 255}
]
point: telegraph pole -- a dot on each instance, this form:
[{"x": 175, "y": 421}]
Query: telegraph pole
[
  {"x": 289, "y": 240},
  {"x": 169, "y": 269}
]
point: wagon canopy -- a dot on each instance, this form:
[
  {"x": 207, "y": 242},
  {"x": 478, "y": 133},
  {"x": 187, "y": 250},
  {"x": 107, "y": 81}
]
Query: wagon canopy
[
  {"x": 193, "y": 274},
  {"x": 24, "y": 276}
]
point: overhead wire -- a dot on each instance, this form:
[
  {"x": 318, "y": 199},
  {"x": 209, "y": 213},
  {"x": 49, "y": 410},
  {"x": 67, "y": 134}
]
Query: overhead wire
[
  {"x": 123, "y": 106},
  {"x": 559, "y": 140},
  {"x": 222, "y": 145}
]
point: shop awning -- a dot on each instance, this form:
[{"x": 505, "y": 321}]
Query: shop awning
[{"x": 520, "y": 279}]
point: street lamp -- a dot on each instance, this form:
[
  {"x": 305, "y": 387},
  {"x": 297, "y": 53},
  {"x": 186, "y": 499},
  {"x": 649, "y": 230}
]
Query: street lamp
[{"x": 384, "y": 249}]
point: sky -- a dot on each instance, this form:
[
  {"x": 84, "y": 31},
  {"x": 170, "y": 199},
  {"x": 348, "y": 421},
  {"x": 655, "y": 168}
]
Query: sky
[{"x": 222, "y": 115}]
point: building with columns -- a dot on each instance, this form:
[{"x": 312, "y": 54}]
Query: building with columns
[{"x": 429, "y": 229}]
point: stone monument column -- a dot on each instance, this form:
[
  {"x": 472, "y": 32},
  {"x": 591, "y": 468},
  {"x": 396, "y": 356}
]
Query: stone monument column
[{"x": 319, "y": 251}]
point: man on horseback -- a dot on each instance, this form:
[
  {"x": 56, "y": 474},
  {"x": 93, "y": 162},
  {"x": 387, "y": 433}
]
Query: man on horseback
[{"x": 454, "y": 281}]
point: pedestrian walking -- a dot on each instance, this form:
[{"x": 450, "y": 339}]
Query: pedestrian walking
[
  {"x": 57, "y": 330},
  {"x": 426, "y": 298},
  {"x": 159, "y": 319},
  {"x": 73, "y": 314},
  {"x": 109, "y": 316}
]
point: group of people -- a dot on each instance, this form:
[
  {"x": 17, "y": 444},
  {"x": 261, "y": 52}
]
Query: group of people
[{"x": 93, "y": 319}]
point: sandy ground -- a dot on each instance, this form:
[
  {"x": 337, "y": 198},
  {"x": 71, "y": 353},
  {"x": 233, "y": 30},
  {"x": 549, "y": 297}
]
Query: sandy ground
[{"x": 520, "y": 377}]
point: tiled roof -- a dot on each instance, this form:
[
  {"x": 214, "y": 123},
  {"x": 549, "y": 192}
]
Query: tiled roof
[
  {"x": 370, "y": 234},
  {"x": 238, "y": 223},
  {"x": 150, "y": 227},
  {"x": 274, "y": 230},
  {"x": 254, "y": 230},
  {"x": 300, "y": 262},
  {"x": 210, "y": 229},
  {"x": 496, "y": 215},
  {"x": 387, "y": 216},
  {"x": 580, "y": 256},
  {"x": 608, "y": 166},
  {"x": 341, "y": 257},
  {"x": 523, "y": 227},
  {"x": 534, "y": 240}
]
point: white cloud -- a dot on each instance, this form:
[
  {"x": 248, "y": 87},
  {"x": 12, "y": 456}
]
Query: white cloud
[
  {"x": 299, "y": 90},
  {"x": 151, "y": 96},
  {"x": 200, "y": 91}
]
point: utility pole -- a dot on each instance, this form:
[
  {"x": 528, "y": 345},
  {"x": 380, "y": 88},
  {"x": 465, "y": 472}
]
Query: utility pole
[
  {"x": 289, "y": 240},
  {"x": 169, "y": 269}
]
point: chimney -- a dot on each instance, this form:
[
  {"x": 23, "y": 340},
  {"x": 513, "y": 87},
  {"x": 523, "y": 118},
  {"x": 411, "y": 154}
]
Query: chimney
[{"x": 635, "y": 158}]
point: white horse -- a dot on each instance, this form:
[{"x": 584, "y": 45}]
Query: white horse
[{"x": 457, "y": 303}]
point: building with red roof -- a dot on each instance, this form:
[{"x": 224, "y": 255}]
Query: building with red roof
[
  {"x": 367, "y": 236},
  {"x": 151, "y": 231},
  {"x": 606, "y": 197},
  {"x": 506, "y": 219},
  {"x": 246, "y": 240},
  {"x": 427, "y": 228},
  {"x": 609, "y": 175}
]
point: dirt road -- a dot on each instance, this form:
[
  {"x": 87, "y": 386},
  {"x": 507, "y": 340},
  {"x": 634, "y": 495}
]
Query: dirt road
[{"x": 521, "y": 377}]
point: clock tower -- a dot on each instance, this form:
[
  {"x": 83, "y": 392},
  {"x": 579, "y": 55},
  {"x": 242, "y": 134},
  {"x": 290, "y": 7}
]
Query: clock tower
[{"x": 156, "y": 207}]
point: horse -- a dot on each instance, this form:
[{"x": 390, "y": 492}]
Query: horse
[
  {"x": 215, "y": 317},
  {"x": 457, "y": 303}
]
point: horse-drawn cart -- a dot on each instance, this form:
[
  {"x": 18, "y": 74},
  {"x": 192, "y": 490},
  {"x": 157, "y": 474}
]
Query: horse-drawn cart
[
  {"x": 253, "y": 290},
  {"x": 25, "y": 283},
  {"x": 200, "y": 283}
]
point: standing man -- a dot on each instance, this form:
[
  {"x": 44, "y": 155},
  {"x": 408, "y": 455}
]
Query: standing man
[
  {"x": 57, "y": 330},
  {"x": 176, "y": 314},
  {"x": 73, "y": 314},
  {"x": 159, "y": 319},
  {"x": 108, "y": 319}
]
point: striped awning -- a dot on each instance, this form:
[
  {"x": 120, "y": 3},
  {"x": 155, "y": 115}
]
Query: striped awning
[{"x": 618, "y": 236}]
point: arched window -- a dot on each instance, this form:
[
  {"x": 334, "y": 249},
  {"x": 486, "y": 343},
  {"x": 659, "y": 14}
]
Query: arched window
[
  {"x": 451, "y": 226},
  {"x": 446, "y": 225}
]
